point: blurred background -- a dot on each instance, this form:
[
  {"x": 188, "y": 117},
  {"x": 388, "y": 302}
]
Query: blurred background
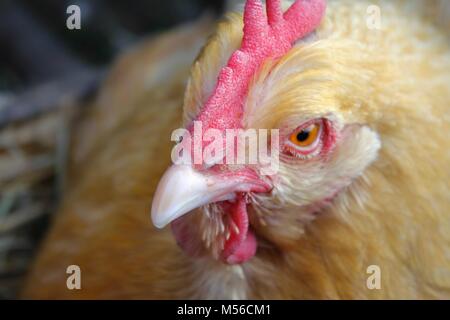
[{"x": 45, "y": 68}]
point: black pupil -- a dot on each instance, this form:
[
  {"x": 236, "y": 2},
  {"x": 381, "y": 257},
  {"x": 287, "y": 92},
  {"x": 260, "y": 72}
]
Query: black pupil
[{"x": 302, "y": 136}]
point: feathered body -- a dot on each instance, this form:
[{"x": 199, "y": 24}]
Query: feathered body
[{"x": 393, "y": 210}]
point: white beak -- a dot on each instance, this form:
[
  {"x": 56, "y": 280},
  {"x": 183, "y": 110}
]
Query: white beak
[{"x": 182, "y": 190}]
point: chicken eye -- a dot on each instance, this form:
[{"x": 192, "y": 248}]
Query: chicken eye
[
  {"x": 307, "y": 136},
  {"x": 308, "y": 140}
]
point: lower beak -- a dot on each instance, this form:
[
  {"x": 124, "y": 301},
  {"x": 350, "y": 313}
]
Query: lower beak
[{"x": 182, "y": 189}]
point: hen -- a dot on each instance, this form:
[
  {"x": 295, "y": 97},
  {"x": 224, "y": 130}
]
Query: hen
[{"x": 363, "y": 175}]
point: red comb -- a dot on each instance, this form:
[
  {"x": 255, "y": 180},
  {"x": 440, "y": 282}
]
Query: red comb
[{"x": 267, "y": 35}]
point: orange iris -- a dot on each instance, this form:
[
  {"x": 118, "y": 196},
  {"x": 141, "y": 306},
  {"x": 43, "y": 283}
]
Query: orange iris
[{"x": 306, "y": 137}]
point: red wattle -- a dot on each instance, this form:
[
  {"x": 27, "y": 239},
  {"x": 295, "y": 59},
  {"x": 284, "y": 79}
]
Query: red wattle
[{"x": 241, "y": 245}]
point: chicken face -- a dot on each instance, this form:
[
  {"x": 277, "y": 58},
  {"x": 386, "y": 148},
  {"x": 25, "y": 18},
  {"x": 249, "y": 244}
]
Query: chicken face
[{"x": 322, "y": 148}]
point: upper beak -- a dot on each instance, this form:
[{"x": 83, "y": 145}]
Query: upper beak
[{"x": 182, "y": 189}]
